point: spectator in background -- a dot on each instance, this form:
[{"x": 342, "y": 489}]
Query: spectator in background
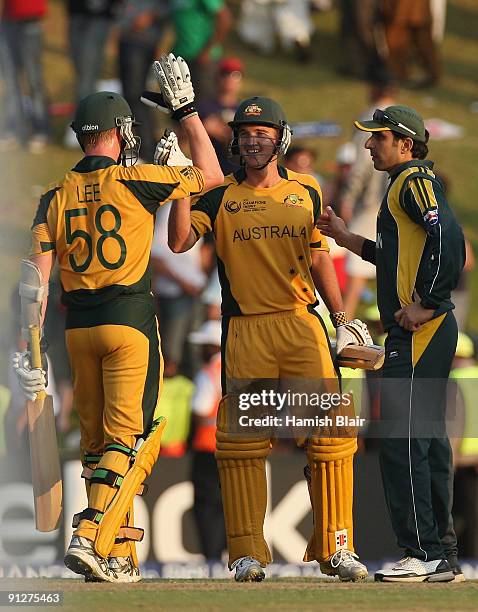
[
  {"x": 261, "y": 21},
  {"x": 90, "y": 23},
  {"x": 21, "y": 53},
  {"x": 176, "y": 397},
  {"x": 362, "y": 40},
  {"x": 208, "y": 512},
  {"x": 217, "y": 111},
  {"x": 201, "y": 26},
  {"x": 178, "y": 280},
  {"x": 465, "y": 446},
  {"x": 408, "y": 30},
  {"x": 302, "y": 159},
  {"x": 142, "y": 25},
  {"x": 360, "y": 200}
]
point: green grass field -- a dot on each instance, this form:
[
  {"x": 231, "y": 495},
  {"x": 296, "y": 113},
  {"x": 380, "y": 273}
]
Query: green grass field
[
  {"x": 301, "y": 595},
  {"x": 308, "y": 92}
]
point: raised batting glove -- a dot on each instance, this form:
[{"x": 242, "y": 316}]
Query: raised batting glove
[
  {"x": 353, "y": 332},
  {"x": 31, "y": 381},
  {"x": 168, "y": 152},
  {"x": 177, "y": 93}
]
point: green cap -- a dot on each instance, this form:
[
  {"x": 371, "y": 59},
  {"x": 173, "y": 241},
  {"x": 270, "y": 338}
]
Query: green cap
[
  {"x": 259, "y": 111},
  {"x": 401, "y": 119},
  {"x": 99, "y": 112}
]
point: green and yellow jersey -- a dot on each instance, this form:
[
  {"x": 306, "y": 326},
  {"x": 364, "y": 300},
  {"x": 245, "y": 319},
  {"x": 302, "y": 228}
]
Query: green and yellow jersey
[
  {"x": 419, "y": 250},
  {"x": 264, "y": 240},
  {"x": 99, "y": 220}
]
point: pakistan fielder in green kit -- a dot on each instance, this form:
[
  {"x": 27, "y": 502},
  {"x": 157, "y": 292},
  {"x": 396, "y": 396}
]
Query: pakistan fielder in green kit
[{"x": 419, "y": 253}]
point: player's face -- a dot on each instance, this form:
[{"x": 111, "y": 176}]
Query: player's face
[
  {"x": 257, "y": 144},
  {"x": 385, "y": 151}
]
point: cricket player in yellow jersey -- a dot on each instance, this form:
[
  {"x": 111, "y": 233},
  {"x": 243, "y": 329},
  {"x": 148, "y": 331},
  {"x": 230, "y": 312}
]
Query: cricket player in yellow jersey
[
  {"x": 271, "y": 258},
  {"x": 98, "y": 222}
]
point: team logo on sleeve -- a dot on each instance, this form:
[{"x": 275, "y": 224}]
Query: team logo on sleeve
[
  {"x": 431, "y": 216},
  {"x": 232, "y": 207},
  {"x": 293, "y": 200},
  {"x": 187, "y": 172}
]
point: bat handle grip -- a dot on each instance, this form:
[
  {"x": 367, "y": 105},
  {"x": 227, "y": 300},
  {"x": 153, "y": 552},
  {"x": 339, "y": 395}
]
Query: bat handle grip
[{"x": 34, "y": 333}]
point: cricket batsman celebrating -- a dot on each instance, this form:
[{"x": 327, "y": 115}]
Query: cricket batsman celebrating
[
  {"x": 271, "y": 258},
  {"x": 98, "y": 223}
]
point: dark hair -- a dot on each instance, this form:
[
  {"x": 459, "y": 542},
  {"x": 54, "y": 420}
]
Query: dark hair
[{"x": 419, "y": 149}]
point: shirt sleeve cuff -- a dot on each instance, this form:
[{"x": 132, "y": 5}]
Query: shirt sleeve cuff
[{"x": 368, "y": 251}]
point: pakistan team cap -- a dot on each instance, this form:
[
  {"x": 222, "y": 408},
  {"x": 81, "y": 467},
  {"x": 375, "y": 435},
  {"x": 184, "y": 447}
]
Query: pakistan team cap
[
  {"x": 259, "y": 111},
  {"x": 401, "y": 119},
  {"x": 99, "y": 112}
]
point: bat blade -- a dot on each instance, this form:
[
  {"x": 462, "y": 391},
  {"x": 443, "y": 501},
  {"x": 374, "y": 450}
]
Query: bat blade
[{"x": 45, "y": 461}]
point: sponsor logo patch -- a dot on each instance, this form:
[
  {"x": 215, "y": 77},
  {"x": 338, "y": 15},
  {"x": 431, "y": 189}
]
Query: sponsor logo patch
[
  {"x": 232, "y": 207},
  {"x": 341, "y": 539},
  {"x": 253, "y": 110}
]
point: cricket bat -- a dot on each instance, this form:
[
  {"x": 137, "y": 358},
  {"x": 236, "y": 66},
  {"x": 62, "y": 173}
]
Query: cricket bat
[
  {"x": 368, "y": 357},
  {"x": 45, "y": 460}
]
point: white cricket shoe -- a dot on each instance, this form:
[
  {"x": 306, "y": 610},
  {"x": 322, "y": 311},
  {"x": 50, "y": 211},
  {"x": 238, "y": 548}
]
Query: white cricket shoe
[
  {"x": 81, "y": 558},
  {"x": 248, "y": 569},
  {"x": 344, "y": 564},
  {"x": 411, "y": 569},
  {"x": 124, "y": 568}
]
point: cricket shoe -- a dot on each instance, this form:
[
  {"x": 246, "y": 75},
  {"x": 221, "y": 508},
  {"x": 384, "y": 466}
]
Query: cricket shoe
[
  {"x": 344, "y": 564},
  {"x": 81, "y": 558},
  {"x": 458, "y": 575},
  {"x": 248, "y": 569},
  {"x": 125, "y": 569},
  {"x": 411, "y": 569}
]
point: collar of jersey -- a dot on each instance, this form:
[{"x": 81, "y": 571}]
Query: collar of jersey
[
  {"x": 413, "y": 163},
  {"x": 90, "y": 163}
]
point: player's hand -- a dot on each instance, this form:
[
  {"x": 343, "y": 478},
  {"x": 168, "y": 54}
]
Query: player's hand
[
  {"x": 177, "y": 93},
  {"x": 331, "y": 225},
  {"x": 412, "y": 316},
  {"x": 31, "y": 381},
  {"x": 168, "y": 152},
  {"x": 353, "y": 332}
]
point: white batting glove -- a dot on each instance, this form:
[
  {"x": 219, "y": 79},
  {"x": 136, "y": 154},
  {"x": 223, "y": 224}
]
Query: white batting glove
[
  {"x": 31, "y": 381},
  {"x": 177, "y": 93},
  {"x": 354, "y": 332},
  {"x": 168, "y": 152}
]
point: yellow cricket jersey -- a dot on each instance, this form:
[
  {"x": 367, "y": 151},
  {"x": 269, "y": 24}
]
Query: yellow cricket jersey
[
  {"x": 100, "y": 219},
  {"x": 264, "y": 239}
]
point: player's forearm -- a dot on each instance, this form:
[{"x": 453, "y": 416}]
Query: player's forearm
[
  {"x": 352, "y": 242},
  {"x": 181, "y": 236},
  {"x": 325, "y": 280},
  {"x": 202, "y": 151}
]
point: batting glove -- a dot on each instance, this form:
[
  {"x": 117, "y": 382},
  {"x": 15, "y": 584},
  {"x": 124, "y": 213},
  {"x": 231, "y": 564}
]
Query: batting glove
[
  {"x": 168, "y": 152},
  {"x": 31, "y": 381},
  {"x": 353, "y": 332},
  {"x": 177, "y": 93}
]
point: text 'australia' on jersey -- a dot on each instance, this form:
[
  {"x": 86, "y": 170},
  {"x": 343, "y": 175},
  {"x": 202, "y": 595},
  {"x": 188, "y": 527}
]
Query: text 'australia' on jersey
[
  {"x": 264, "y": 239},
  {"x": 420, "y": 249},
  {"x": 100, "y": 219}
]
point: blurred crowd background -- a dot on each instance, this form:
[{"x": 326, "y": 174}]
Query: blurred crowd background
[{"x": 391, "y": 48}]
